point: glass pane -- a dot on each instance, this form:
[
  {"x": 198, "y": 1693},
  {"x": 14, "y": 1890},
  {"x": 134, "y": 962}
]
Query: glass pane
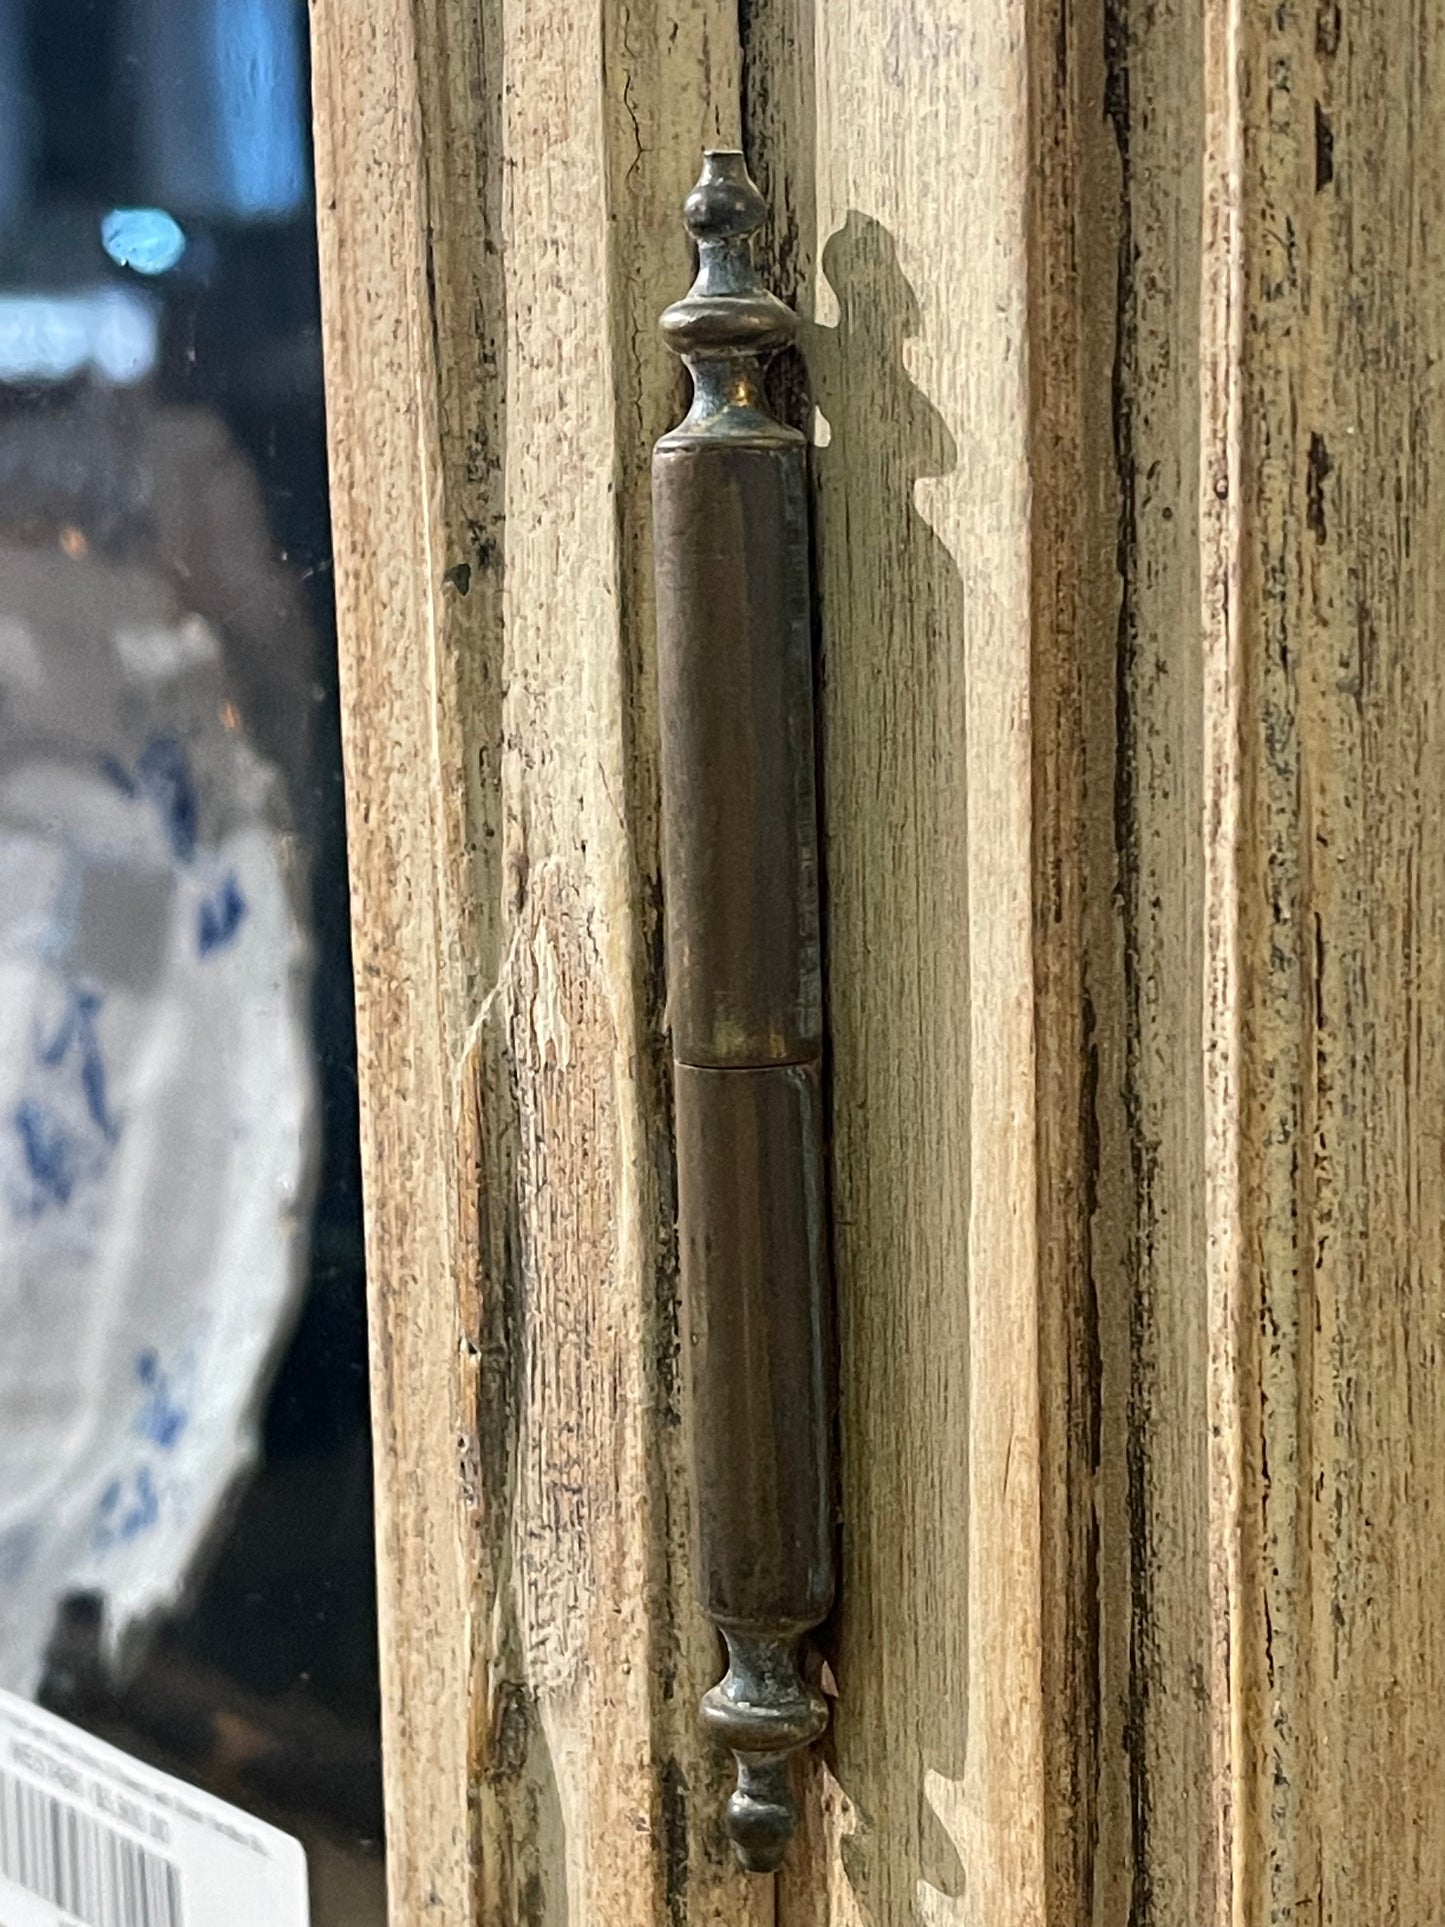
[{"x": 186, "y": 1560}]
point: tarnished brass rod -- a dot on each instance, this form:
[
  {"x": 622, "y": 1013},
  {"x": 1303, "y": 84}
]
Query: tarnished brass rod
[{"x": 740, "y": 863}]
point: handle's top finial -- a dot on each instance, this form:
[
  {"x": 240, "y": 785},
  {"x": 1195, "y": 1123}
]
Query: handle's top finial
[
  {"x": 725, "y": 205},
  {"x": 727, "y": 321}
]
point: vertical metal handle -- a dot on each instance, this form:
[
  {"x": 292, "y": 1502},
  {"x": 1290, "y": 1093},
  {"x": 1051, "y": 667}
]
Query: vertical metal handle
[{"x": 740, "y": 866}]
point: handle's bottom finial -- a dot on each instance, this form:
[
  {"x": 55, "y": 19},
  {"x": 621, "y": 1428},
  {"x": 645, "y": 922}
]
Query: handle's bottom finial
[{"x": 765, "y": 1712}]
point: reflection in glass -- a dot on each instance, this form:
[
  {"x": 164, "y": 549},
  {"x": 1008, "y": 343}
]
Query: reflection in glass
[{"x": 185, "y": 1515}]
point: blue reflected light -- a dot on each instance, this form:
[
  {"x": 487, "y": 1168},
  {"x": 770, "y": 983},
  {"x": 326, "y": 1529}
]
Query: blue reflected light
[
  {"x": 111, "y": 332},
  {"x": 222, "y": 117},
  {"x": 146, "y": 239},
  {"x": 261, "y": 105}
]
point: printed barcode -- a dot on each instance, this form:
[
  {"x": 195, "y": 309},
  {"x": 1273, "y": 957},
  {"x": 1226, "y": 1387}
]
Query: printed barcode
[{"x": 93, "y": 1874}]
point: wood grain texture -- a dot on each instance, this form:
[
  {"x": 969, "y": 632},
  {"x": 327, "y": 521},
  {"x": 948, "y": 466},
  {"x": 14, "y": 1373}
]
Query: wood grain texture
[
  {"x": 1155, "y": 1329},
  {"x": 1281, "y": 860},
  {"x": 1236, "y": 854},
  {"x": 1075, "y": 214},
  {"x": 1335, "y": 1227},
  {"x": 499, "y": 193},
  {"x": 1121, "y": 352},
  {"x": 863, "y": 124}
]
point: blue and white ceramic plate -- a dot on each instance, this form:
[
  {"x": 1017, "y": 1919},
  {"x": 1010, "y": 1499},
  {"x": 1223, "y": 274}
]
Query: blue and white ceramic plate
[{"x": 157, "y": 1114}]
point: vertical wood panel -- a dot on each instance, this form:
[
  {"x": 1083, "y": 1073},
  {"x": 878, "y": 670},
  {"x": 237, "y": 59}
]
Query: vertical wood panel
[
  {"x": 403, "y": 767},
  {"x": 1074, "y": 255},
  {"x": 1284, "y": 1765},
  {"x": 1339, "y": 914},
  {"x": 500, "y": 192},
  {"x": 1157, "y": 1333},
  {"x": 869, "y": 128}
]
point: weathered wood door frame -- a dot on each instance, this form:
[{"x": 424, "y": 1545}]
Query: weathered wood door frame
[{"x": 1121, "y": 323}]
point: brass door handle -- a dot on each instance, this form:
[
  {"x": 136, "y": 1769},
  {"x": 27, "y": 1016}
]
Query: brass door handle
[{"x": 745, "y": 1001}]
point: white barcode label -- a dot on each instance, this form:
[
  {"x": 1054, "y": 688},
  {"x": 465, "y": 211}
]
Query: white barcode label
[
  {"x": 95, "y": 1874},
  {"x": 51, "y": 1849},
  {"x": 91, "y": 1838}
]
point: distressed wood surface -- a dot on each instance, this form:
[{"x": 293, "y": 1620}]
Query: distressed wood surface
[
  {"x": 1238, "y": 883},
  {"x": 864, "y": 124},
  {"x": 1121, "y": 350},
  {"x": 499, "y": 193},
  {"x": 1147, "y": 961},
  {"x": 1332, "y": 934},
  {"x": 1272, "y": 1442}
]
